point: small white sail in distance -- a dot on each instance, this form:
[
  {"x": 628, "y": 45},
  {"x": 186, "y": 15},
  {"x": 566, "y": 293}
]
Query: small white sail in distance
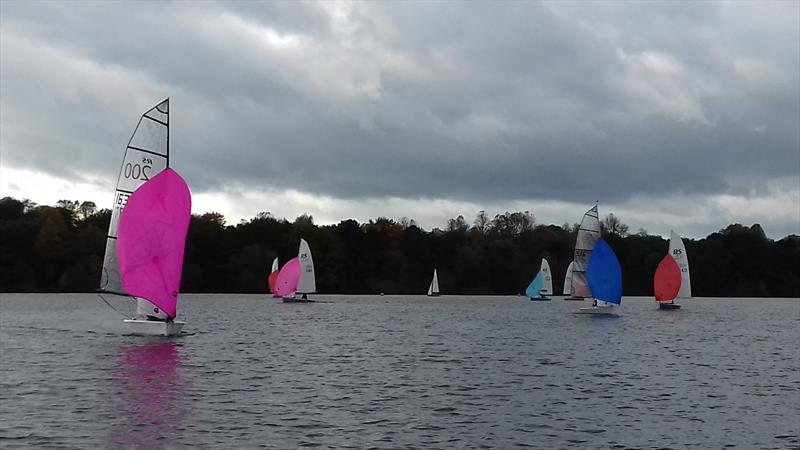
[
  {"x": 568, "y": 280},
  {"x": 433, "y": 289},
  {"x": 678, "y": 252}
]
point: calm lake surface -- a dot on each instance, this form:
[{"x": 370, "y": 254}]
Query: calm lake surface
[{"x": 401, "y": 372}]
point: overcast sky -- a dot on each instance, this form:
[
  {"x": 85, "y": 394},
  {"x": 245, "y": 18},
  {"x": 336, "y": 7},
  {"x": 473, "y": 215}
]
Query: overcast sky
[{"x": 670, "y": 114}]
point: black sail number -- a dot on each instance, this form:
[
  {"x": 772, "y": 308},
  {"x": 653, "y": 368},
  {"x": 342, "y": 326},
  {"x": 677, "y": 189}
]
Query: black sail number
[{"x": 137, "y": 171}]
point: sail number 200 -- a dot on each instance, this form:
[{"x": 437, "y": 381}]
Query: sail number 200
[{"x": 137, "y": 171}]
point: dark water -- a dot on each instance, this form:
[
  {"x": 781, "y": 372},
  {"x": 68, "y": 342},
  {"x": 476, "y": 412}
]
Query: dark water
[{"x": 402, "y": 372}]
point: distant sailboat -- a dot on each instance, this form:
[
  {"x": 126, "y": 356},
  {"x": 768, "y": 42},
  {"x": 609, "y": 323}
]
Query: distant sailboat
[
  {"x": 273, "y": 277},
  {"x": 146, "y": 156},
  {"x": 568, "y": 284},
  {"x": 675, "y": 274},
  {"x": 604, "y": 277},
  {"x": 302, "y": 270},
  {"x": 588, "y": 235},
  {"x": 433, "y": 289},
  {"x": 542, "y": 284}
]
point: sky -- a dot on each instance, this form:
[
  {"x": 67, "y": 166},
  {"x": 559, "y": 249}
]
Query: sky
[{"x": 672, "y": 115}]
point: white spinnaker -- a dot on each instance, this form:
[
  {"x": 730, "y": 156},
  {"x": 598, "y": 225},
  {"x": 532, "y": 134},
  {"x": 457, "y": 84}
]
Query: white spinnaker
[
  {"x": 146, "y": 154},
  {"x": 433, "y": 289},
  {"x": 308, "y": 282},
  {"x": 678, "y": 252},
  {"x": 274, "y": 265},
  {"x": 588, "y": 235},
  {"x": 547, "y": 279}
]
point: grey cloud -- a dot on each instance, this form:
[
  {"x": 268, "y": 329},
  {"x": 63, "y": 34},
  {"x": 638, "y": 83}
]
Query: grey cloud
[{"x": 479, "y": 102}]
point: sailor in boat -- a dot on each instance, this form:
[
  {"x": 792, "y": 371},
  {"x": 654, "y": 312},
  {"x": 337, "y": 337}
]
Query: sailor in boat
[
  {"x": 150, "y": 312},
  {"x": 304, "y": 297}
]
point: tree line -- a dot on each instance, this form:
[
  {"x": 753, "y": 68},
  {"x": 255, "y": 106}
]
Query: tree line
[{"x": 60, "y": 249}]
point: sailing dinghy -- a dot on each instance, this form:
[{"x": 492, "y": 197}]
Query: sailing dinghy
[
  {"x": 588, "y": 235},
  {"x": 164, "y": 205},
  {"x": 604, "y": 277},
  {"x": 273, "y": 277},
  {"x": 300, "y": 279},
  {"x": 669, "y": 275},
  {"x": 433, "y": 289},
  {"x": 542, "y": 284}
]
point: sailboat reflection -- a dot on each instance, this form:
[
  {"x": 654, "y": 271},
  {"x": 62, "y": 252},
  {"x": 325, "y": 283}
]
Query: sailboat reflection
[{"x": 149, "y": 393}]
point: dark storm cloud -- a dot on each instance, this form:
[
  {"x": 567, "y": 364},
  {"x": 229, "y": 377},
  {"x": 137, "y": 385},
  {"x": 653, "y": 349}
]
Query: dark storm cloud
[{"x": 467, "y": 101}]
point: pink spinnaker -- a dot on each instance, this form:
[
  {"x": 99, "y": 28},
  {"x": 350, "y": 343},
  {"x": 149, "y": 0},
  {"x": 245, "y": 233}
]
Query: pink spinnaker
[
  {"x": 151, "y": 239},
  {"x": 288, "y": 278}
]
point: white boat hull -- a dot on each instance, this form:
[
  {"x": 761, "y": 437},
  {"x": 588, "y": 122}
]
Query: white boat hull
[
  {"x": 605, "y": 310},
  {"x": 153, "y": 327}
]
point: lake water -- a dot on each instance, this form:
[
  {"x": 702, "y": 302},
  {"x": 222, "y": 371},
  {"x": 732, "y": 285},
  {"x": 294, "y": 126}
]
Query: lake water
[{"x": 401, "y": 372}]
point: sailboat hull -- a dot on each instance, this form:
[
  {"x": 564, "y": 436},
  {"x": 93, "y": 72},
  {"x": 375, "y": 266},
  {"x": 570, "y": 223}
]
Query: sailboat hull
[
  {"x": 668, "y": 306},
  {"x": 574, "y": 299},
  {"x": 540, "y": 299},
  {"x": 606, "y": 310},
  {"x": 293, "y": 299},
  {"x": 433, "y": 295},
  {"x": 153, "y": 327}
]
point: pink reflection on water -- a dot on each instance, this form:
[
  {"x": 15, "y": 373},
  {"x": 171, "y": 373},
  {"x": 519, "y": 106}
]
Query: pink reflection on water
[{"x": 149, "y": 391}]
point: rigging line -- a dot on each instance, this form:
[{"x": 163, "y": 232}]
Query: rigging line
[{"x": 99, "y": 294}]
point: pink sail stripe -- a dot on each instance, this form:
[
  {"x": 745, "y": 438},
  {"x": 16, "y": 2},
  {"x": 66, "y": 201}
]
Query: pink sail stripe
[
  {"x": 288, "y": 278},
  {"x": 151, "y": 240}
]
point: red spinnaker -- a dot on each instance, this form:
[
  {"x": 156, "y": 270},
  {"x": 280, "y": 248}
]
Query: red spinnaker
[{"x": 667, "y": 280}]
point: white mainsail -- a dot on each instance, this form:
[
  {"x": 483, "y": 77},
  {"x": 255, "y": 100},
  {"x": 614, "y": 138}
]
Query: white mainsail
[
  {"x": 274, "y": 265},
  {"x": 588, "y": 235},
  {"x": 146, "y": 155},
  {"x": 678, "y": 253},
  {"x": 547, "y": 279},
  {"x": 308, "y": 282},
  {"x": 433, "y": 289},
  {"x": 568, "y": 280}
]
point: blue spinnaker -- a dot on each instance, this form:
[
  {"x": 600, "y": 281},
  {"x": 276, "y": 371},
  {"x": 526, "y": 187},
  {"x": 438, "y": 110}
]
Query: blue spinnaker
[
  {"x": 535, "y": 287},
  {"x": 604, "y": 274}
]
